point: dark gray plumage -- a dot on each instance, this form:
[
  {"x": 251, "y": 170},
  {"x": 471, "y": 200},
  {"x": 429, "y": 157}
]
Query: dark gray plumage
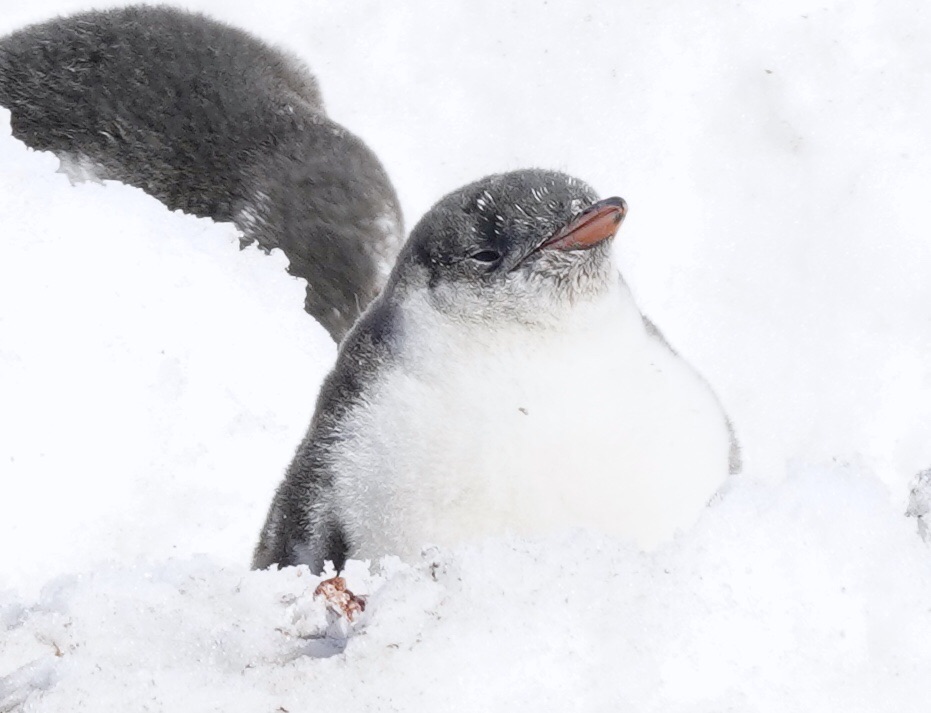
[
  {"x": 500, "y": 356},
  {"x": 212, "y": 121}
]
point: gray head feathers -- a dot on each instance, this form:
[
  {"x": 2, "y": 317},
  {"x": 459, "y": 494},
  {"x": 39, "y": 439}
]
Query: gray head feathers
[{"x": 478, "y": 250}]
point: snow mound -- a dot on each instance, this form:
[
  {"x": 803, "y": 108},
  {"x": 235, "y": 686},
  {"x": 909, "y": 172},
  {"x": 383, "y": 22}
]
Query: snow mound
[
  {"x": 806, "y": 595},
  {"x": 155, "y": 378}
]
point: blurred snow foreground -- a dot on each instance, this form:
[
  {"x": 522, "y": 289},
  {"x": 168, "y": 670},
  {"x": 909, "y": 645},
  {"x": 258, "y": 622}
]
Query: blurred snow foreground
[
  {"x": 811, "y": 595},
  {"x": 154, "y": 381}
]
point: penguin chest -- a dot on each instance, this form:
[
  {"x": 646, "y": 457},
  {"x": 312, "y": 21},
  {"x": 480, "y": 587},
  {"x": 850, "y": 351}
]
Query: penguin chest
[{"x": 533, "y": 433}]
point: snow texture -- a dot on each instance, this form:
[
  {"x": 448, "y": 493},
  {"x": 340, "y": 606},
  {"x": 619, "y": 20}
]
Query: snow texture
[
  {"x": 154, "y": 380},
  {"x": 810, "y": 595},
  {"x": 154, "y": 377}
]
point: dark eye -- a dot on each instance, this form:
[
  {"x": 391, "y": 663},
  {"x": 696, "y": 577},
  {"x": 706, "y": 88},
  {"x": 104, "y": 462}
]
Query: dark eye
[{"x": 486, "y": 256}]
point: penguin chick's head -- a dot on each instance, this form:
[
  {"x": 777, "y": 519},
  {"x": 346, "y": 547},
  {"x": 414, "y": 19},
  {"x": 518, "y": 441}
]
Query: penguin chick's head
[{"x": 523, "y": 245}]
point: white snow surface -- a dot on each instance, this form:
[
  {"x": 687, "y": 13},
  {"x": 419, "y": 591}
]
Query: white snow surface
[{"x": 155, "y": 380}]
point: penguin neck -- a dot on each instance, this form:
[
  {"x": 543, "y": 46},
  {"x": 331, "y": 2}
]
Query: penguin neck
[{"x": 433, "y": 332}]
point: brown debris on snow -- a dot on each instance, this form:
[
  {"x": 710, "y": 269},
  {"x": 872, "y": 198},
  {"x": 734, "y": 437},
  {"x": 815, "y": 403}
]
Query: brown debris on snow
[{"x": 339, "y": 598}]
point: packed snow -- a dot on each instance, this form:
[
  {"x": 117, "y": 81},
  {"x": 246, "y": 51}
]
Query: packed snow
[
  {"x": 154, "y": 377},
  {"x": 155, "y": 380}
]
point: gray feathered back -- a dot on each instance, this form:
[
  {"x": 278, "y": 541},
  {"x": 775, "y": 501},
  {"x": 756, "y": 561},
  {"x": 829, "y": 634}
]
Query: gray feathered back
[{"x": 212, "y": 121}]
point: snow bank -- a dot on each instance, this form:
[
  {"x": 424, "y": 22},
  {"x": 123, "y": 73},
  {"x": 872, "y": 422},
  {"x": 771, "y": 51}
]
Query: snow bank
[
  {"x": 155, "y": 378},
  {"x": 807, "y": 596}
]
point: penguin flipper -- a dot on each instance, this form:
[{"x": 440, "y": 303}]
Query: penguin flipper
[{"x": 289, "y": 537}]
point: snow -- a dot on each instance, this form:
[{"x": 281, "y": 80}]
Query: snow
[
  {"x": 810, "y": 595},
  {"x": 154, "y": 379}
]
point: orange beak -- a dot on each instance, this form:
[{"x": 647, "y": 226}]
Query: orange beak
[{"x": 593, "y": 226}]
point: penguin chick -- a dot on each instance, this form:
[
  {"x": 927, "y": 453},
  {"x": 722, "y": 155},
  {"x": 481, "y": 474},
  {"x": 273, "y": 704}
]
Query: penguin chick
[{"x": 504, "y": 380}]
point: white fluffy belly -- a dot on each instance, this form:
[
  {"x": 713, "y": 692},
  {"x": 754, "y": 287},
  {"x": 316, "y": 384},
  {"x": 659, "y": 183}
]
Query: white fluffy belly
[{"x": 594, "y": 425}]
